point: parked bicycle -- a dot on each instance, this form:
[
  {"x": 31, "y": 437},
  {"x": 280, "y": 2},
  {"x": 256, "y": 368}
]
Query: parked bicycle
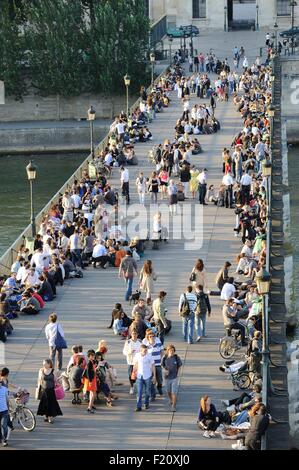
[
  {"x": 238, "y": 373},
  {"x": 20, "y": 413},
  {"x": 230, "y": 343}
]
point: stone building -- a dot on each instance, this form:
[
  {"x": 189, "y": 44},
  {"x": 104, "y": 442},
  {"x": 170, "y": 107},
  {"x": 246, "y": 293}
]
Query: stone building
[{"x": 217, "y": 14}]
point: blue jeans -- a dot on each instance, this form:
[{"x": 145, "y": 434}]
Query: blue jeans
[
  {"x": 188, "y": 328},
  {"x": 76, "y": 258},
  {"x": 129, "y": 283},
  {"x": 159, "y": 380},
  {"x": 146, "y": 384},
  {"x": 241, "y": 418},
  {"x": 3, "y": 424},
  {"x": 200, "y": 324}
]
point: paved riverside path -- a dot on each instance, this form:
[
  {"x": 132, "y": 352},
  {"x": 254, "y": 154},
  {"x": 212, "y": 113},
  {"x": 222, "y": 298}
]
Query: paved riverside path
[{"x": 84, "y": 308}]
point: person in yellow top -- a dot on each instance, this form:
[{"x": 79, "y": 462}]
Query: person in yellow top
[{"x": 193, "y": 181}]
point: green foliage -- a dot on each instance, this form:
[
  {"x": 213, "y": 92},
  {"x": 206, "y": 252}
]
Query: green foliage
[
  {"x": 11, "y": 52},
  {"x": 73, "y": 46}
]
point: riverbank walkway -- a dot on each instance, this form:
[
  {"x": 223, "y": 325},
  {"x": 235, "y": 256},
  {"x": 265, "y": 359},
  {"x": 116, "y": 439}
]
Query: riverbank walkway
[{"x": 84, "y": 309}]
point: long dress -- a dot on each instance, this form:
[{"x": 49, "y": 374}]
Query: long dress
[
  {"x": 147, "y": 282},
  {"x": 48, "y": 405}
]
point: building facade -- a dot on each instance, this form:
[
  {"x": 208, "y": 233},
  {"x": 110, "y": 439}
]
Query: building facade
[{"x": 218, "y": 14}]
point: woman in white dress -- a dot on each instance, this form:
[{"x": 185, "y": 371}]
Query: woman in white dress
[{"x": 146, "y": 280}]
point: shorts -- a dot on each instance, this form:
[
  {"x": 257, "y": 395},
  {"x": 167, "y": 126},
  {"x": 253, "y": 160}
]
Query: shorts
[{"x": 172, "y": 385}]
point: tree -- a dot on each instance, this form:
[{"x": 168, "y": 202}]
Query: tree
[
  {"x": 54, "y": 37},
  {"x": 11, "y": 51}
]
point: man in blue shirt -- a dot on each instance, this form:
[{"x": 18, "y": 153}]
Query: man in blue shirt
[{"x": 3, "y": 414}]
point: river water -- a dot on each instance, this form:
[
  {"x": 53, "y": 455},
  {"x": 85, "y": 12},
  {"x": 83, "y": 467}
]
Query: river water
[{"x": 52, "y": 172}]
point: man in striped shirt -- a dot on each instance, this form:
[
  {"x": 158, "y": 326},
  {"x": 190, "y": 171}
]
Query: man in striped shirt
[
  {"x": 188, "y": 321},
  {"x": 155, "y": 348}
]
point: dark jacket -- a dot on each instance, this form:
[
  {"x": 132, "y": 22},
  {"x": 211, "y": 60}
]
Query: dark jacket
[
  {"x": 185, "y": 175},
  {"x": 258, "y": 426},
  {"x": 75, "y": 377},
  {"x": 212, "y": 414},
  {"x": 45, "y": 291}
]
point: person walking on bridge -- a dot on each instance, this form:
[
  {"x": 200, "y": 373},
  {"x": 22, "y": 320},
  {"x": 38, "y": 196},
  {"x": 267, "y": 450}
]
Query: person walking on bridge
[
  {"x": 202, "y": 187},
  {"x": 187, "y": 306}
]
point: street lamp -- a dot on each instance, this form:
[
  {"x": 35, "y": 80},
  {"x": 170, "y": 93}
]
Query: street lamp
[
  {"x": 91, "y": 115},
  {"x": 266, "y": 169},
  {"x": 31, "y": 175},
  {"x": 257, "y": 18},
  {"x": 225, "y": 18},
  {"x": 263, "y": 280},
  {"x": 293, "y": 4},
  {"x": 170, "y": 44},
  {"x": 271, "y": 114},
  {"x": 276, "y": 41},
  {"x": 152, "y": 59},
  {"x": 127, "y": 80},
  {"x": 184, "y": 37}
]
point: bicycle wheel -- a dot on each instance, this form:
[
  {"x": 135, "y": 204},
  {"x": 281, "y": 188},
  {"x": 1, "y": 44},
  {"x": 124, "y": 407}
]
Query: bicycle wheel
[
  {"x": 227, "y": 347},
  {"x": 243, "y": 381},
  {"x": 26, "y": 419}
]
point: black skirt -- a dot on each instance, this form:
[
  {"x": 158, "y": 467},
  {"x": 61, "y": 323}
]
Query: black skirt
[
  {"x": 48, "y": 405},
  {"x": 173, "y": 199}
]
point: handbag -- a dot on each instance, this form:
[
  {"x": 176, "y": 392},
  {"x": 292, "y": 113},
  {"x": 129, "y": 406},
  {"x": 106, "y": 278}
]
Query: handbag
[
  {"x": 193, "y": 276},
  {"x": 38, "y": 392},
  {"x": 134, "y": 374},
  {"x": 60, "y": 342},
  {"x": 59, "y": 392}
]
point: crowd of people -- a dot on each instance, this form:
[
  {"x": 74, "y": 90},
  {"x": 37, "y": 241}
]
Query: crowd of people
[{"x": 85, "y": 227}]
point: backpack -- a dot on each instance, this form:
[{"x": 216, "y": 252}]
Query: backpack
[
  {"x": 201, "y": 307},
  {"x": 185, "y": 307}
]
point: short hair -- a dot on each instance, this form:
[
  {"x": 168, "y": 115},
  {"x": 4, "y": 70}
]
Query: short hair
[
  {"x": 80, "y": 361},
  {"x": 90, "y": 352},
  {"x": 230, "y": 280},
  {"x": 169, "y": 347},
  {"x": 189, "y": 289},
  {"x": 80, "y": 348},
  {"x": 75, "y": 349},
  {"x": 199, "y": 287},
  {"x": 162, "y": 294},
  {"x": 143, "y": 346}
]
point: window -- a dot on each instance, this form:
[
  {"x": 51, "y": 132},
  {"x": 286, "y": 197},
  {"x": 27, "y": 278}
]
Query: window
[
  {"x": 283, "y": 8},
  {"x": 199, "y": 8}
]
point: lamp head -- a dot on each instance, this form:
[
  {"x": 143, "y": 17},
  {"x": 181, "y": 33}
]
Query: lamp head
[
  {"x": 91, "y": 114},
  {"x": 152, "y": 57},
  {"x": 263, "y": 279},
  {"x": 127, "y": 80},
  {"x": 31, "y": 171}
]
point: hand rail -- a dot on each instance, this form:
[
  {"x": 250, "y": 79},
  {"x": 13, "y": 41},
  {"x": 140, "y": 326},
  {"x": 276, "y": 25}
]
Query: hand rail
[{"x": 9, "y": 255}]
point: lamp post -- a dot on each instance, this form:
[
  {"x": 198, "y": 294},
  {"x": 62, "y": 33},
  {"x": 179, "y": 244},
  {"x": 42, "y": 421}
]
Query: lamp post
[
  {"x": 91, "y": 115},
  {"x": 127, "y": 80},
  {"x": 271, "y": 113},
  {"x": 31, "y": 175},
  {"x": 257, "y": 18},
  {"x": 263, "y": 279},
  {"x": 152, "y": 59},
  {"x": 181, "y": 28},
  {"x": 225, "y": 18},
  {"x": 170, "y": 44},
  {"x": 276, "y": 40},
  {"x": 272, "y": 43},
  {"x": 267, "y": 172},
  {"x": 293, "y": 4}
]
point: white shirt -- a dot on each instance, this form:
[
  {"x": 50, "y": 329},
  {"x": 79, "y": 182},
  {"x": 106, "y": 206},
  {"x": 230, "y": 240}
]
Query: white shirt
[
  {"x": 131, "y": 348},
  {"x": 108, "y": 159},
  {"x": 120, "y": 127},
  {"x": 124, "y": 177},
  {"x": 246, "y": 180},
  {"x": 38, "y": 260},
  {"x": 76, "y": 200},
  {"x": 227, "y": 180},
  {"x": 144, "y": 365},
  {"x": 15, "y": 267},
  {"x": 51, "y": 332},
  {"x": 22, "y": 271},
  {"x": 228, "y": 291},
  {"x": 67, "y": 203},
  {"x": 74, "y": 241},
  {"x": 202, "y": 178},
  {"x": 99, "y": 250}
]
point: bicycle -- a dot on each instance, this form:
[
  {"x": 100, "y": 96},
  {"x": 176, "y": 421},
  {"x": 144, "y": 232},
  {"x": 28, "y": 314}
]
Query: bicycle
[
  {"x": 229, "y": 344},
  {"x": 21, "y": 413},
  {"x": 240, "y": 378}
]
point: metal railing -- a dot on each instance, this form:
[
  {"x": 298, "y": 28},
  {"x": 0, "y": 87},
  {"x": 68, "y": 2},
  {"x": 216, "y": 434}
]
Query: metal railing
[
  {"x": 158, "y": 30},
  {"x": 10, "y": 254}
]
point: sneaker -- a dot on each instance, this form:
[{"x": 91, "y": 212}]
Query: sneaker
[
  {"x": 225, "y": 402},
  {"x": 160, "y": 393},
  {"x": 4, "y": 443},
  {"x": 137, "y": 409},
  {"x": 198, "y": 339},
  {"x": 146, "y": 407},
  {"x": 91, "y": 411},
  {"x": 206, "y": 434},
  {"x": 153, "y": 399},
  {"x": 173, "y": 409},
  {"x": 131, "y": 391}
]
